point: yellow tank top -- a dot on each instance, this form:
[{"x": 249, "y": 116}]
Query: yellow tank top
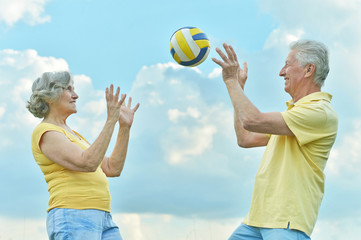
[{"x": 67, "y": 188}]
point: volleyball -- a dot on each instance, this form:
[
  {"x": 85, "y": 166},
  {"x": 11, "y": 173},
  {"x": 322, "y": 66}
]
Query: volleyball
[{"x": 189, "y": 46}]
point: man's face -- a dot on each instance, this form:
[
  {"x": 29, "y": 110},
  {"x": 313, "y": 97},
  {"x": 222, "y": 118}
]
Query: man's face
[{"x": 293, "y": 74}]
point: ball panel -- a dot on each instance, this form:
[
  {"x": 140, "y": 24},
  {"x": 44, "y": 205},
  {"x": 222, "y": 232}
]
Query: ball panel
[
  {"x": 199, "y": 36},
  {"x": 190, "y": 43},
  {"x": 178, "y": 50},
  {"x": 205, "y": 55},
  {"x": 182, "y": 43},
  {"x": 171, "y": 47},
  {"x": 195, "y": 31},
  {"x": 176, "y": 58},
  {"x": 203, "y": 43},
  {"x": 198, "y": 60},
  {"x": 172, "y": 52}
]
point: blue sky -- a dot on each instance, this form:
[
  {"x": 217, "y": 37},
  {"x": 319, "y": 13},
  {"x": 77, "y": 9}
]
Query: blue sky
[{"x": 185, "y": 177}]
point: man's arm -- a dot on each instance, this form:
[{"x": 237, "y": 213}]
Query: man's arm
[
  {"x": 247, "y": 139},
  {"x": 250, "y": 117},
  {"x": 250, "y": 124}
]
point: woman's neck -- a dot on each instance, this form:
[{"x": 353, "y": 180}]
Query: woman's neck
[{"x": 56, "y": 119}]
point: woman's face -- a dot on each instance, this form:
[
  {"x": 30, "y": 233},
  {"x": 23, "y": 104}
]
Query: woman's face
[{"x": 66, "y": 104}]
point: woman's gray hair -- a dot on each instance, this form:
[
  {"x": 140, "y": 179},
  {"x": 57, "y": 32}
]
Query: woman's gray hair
[
  {"x": 46, "y": 89},
  {"x": 313, "y": 52}
]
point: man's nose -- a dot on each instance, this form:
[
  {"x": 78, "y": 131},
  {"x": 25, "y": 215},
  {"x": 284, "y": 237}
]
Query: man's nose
[{"x": 282, "y": 72}]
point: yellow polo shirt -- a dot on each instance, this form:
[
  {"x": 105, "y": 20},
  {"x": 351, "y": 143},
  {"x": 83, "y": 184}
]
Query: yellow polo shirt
[
  {"x": 70, "y": 189},
  {"x": 289, "y": 184}
]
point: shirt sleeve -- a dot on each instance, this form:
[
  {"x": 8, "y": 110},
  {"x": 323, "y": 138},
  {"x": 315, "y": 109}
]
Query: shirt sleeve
[
  {"x": 39, "y": 132},
  {"x": 307, "y": 122}
]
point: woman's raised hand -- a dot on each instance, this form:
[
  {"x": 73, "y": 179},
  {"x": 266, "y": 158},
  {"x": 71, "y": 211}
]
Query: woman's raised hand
[
  {"x": 113, "y": 103},
  {"x": 127, "y": 113}
]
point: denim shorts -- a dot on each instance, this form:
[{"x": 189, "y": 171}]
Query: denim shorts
[
  {"x": 75, "y": 224},
  {"x": 245, "y": 232}
]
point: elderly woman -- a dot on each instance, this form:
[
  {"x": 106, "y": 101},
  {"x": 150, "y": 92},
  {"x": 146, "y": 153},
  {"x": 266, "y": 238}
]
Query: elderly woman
[{"x": 75, "y": 170}]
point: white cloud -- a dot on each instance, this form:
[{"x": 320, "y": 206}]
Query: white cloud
[
  {"x": 18, "y": 71},
  {"x": 130, "y": 225},
  {"x": 280, "y": 37},
  {"x": 185, "y": 142},
  {"x": 30, "y": 11},
  {"x": 175, "y": 114},
  {"x": 27, "y": 62},
  {"x": 165, "y": 227},
  {"x": 180, "y": 94},
  {"x": 2, "y": 110},
  {"x": 217, "y": 72},
  {"x": 17, "y": 229},
  {"x": 338, "y": 229},
  {"x": 347, "y": 155}
]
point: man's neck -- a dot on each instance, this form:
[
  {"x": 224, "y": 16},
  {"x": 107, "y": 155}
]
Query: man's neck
[{"x": 307, "y": 90}]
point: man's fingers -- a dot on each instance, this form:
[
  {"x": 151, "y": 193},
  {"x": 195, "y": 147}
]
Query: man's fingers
[
  {"x": 221, "y": 54},
  {"x": 107, "y": 94},
  {"x": 233, "y": 53},
  {"x": 117, "y": 93},
  {"x": 122, "y": 99},
  {"x": 111, "y": 89},
  {"x": 220, "y": 63},
  {"x": 228, "y": 51}
]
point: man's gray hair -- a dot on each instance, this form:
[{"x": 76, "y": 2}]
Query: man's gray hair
[
  {"x": 47, "y": 88},
  {"x": 313, "y": 52}
]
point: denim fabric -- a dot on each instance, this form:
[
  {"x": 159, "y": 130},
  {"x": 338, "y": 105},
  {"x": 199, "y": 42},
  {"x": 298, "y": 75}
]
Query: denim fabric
[
  {"x": 245, "y": 232},
  {"x": 74, "y": 224}
]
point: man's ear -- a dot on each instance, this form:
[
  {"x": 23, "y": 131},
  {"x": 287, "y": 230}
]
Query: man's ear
[{"x": 310, "y": 70}]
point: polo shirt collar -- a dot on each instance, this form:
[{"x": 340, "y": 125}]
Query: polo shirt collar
[{"x": 316, "y": 96}]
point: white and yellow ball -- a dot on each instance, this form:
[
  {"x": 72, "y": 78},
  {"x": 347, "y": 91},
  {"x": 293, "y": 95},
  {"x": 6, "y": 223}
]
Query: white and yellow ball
[{"x": 189, "y": 46}]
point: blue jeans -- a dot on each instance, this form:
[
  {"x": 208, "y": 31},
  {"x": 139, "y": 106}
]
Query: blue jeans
[
  {"x": 245, "y": 232},
  {"x": 74, "y": 224}
]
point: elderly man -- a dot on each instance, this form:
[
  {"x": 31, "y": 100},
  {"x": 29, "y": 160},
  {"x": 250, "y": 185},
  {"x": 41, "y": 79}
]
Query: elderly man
[{"x": 289, "y": 184}]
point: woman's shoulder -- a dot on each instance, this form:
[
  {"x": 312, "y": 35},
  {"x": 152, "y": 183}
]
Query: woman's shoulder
[{"x": 44, "y": 126}]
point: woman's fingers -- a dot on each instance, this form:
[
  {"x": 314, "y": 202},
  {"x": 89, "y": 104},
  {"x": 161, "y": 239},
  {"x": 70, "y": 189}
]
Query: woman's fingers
[
  {"x": 129, "y": 102},
  {"x": 109, "y": 93},
  {"x": 136, "y": 107}
]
